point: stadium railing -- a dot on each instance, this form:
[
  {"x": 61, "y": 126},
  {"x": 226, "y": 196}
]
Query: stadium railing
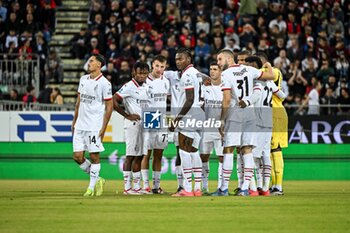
[
  {"x": 7, "y": 105},
  {"x": 17, "y": 71}
]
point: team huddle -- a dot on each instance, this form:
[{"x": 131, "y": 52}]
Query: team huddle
[{"x": 244, "y": 99}]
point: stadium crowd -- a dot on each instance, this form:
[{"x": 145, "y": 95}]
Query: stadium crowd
[
  {"x": 26, "y": 27},
  {"x": 307, "y": 40}
]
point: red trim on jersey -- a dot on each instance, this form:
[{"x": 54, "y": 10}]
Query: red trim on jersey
[
  {"x": 187, "y": 67},
  {"x": 119, "y": 95},
  {"x": 189, "y": 88},
  {"x": 257, "y": 89},
  {"x": 262, "y": 72},
  {"x": 98, "y": 77},
  {"x": 276, "y": 91},
  {"x": 150, "y": 78},
  {"x": 234, "y": 65},
  {"x": 225, "y": 89},
  {"x": 136, "y": 84},
  {"x": 107, "y": 99}
]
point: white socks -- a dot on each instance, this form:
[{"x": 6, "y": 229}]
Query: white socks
[
  {"x": 197, "y": 169},
  {"x": 127, "y": 180},
  {"x": 94, "y": 174},
  {"x": 186, "y": 164},
  {"x": 240, "y": 167},
  {"x": 220, "y": 175},
  {"x": 248, "y": 170},
  {"x": 85, "y": 166},
  {"x": 259, "y": 170},
  {"x": 266, "y": 161},
  {"x": 226, "y": 171},
  {"x": 137, "y": 180},
  {"x": 145, "y": 178},
  {"x": 205, "y": 175},
  {"x": 156, "y": 180},
  {"x": 179, "y": 176}
]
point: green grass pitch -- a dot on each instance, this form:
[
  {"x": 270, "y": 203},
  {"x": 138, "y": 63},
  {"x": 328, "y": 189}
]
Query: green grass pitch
[{"x": 58, "y": 206}]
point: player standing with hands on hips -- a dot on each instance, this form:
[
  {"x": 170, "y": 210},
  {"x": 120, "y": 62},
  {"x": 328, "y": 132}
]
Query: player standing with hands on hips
[{"x": 92, "y": 113}]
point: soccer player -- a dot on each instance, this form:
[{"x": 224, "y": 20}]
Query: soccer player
[
  {"x": 241, "y": 57},
  {"x": 279, "y": 133},
  {"x": 262, "y": 100},
  {"x": 211, "y": 138},
  {"x": 238, "y": 124},
  {"x": 189, "y": 137},
  {"x": 174, "y": 80},
  {"x": 92, "y": 112},
  {"x": 135, "y": 97},
  {"x": 158, "y": 139}
]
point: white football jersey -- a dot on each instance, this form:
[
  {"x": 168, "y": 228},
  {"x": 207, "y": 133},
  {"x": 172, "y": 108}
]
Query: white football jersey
[
  {"x": 189, "y": 80},
  {"x": 159, "y": 89},
  {"x": 174, "y": 80},
  {"x": 240, "y": 80},
  {"x": 212, "y": 96},
  {"x": 263, "y": 105},
  {"x": 135, "y": 97},
  {"x": 93, "y": 94}
]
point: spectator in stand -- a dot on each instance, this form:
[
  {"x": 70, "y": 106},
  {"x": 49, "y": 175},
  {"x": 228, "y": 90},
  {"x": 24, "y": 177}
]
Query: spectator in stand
[
  {"x": 297, "y": 83},
  {"x": 3, "y": 12},
  {"x": 115, "y": 10},
  {"x": 230, "y": 34},
  {"x": 185, "y": 35},
  {"x": 329, "y": 99},
  {"x": 248, "y": 35},
  {"x": 282, "y": 62},
  {"x": 29, "y": 24},
  {"x": 335, "y": 25},
  {"x": 29, "y": 97},
  {"x": 112, "y": 53},
  {"x": 78, "y": 44},
  {"x": 344, "y": 99},
  {"x": 11, "y": 37},
  {"x": 127, "y": 23},
  {"x": 48, "y": 13},
  {"x": 142, "y": 11},
  {"x": 307, "y": 61},
  {"x": 202, "y": 25},
  {"x": 112, "y": 75},
  {"x": 124, "y": 75},
  {"x": 202, "y": 54},
  {"x": 54, "y": 67},
  {"x": 56, "y": 96},
  {"x": 13, "y": 23},
  {"x": 294, "y": 52},
  {"x": 143, "y": 24},
  {"x": 331, "y": 83},
  {"x": 25, "y": 52},
  {"x": 325, "y": 71},
  {"x": 158, "y": 16},
  {"x": 14, "y": 95},
  {"x": 157, "y": 40},
  {"x": 279, "y": 22},
  {"x": 309, "y": 72},
  {"x": 96, "y": 8}
]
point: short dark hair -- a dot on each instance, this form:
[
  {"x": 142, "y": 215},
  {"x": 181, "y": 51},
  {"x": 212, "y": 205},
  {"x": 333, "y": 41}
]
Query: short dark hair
[
  {"x": 244, "y": 52},
  {"x": 100, "y": 58},
  {"x": 262, "y": 54},
  {"x": 227, "y": 52},
  {"x": 159, "y": 58},
  {"x": 214, "y": 63},
  {"x": 255, "y": 59},
  {"x": 185, "y": 51},
  {"x": 141, "y": 66}
]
